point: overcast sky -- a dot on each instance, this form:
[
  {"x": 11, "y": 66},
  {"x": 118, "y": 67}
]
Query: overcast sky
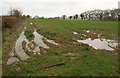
[{"x": 51, "y": 8}]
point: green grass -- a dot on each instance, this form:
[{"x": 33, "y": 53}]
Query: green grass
[
  {"x": 89, "y": 62},
  {"x": 29, "y": 35},
  {"x": 58, "y": 27}
]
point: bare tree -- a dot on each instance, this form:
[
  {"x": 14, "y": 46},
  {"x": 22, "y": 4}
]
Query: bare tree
[
  {"x": 11, "y": 11},
  {"x": 64, "y": 16},
  {"x": 82, "y": 16},
  {"x": 70, "y": 17},
  {"x": 76, "y": 16},
  {"x": 15, "y": 12},
  {"x": 28, "y": 16}
]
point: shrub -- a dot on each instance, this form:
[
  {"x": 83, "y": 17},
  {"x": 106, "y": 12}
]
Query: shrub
[{"x": 9, "y": 21}]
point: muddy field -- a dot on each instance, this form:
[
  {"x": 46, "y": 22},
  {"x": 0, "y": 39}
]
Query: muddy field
[{"x": 48, "y": 47}]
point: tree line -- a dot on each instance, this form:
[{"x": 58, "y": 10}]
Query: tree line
[{"x": 95, "y": 15}]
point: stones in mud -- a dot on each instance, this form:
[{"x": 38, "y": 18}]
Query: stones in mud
[{"x": 36, "y": 50}]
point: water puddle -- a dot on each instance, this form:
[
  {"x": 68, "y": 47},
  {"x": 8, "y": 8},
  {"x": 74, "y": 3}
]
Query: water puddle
[
  {"x": 31, "y": 23},
  {"x": 33, "y": 46},
  {"x": 75, "y": 33},
  {"x": 100, "y": 44},
  {"x": 51, "y": 41},
  {"x": 12, "y": 60},
  {"x": 25, "y": 28},
  {"x": 39, "y": 40},
  {"x": 84, "y": 35},
  {"x": 87, "y": 31},
  {"x": 19, "y": 49}
]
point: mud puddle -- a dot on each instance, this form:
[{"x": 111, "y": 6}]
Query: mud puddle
[
  {"x": 18, "y": 52},
  {"x": 100, "y": 44}
]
